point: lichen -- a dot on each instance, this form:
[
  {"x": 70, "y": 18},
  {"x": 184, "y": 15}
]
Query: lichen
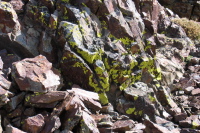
[
  {"x": 130, "y": 111},
  {"x": 103, "y": 98}
]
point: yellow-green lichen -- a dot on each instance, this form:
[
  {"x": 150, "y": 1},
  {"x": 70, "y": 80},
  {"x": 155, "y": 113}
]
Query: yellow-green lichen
[
  {"x": 103, "y": 98},
  {"x": 195, "y": 125},
  {"x": 151, "y": 98},
  {"x": 130, "y": 111}
]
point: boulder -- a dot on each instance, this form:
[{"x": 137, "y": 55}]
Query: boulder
[{"x": 36, "y": 75}]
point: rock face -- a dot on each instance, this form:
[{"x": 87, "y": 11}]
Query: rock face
[
  {"x": 98, "y": 66},
  {"x": 36, "y": 75}
]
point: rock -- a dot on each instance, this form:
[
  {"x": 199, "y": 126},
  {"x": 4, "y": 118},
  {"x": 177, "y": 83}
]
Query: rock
[
  {"x": 88, "y": 124},
  {"x": 180, "y": 117},
  {"x": 189, "y": 130},
  {"x": 45, "y": 100},
  {"x": 34, "y": 124},
  {"x": 123, "y": 125},
  {"x": 36, "y": 74},
  {"x": 188, "y": 90},
  {"x": 71, "y": 118},
  {"x": 15, "y": 101},
  {"x": 9, "y": 23},
  {"x": 196, "y": 91},
  {"x": 5, "y": 83},
  {"x": 152, "y": 128},
  {"x": 11, "y": 129},
  {"x": 140, "y": 100},
  {"x": 3, "y": 96},
  {"x": 191, "y": 122},
  {"x": 18, "y": 5},
  {"x": 90, "y": 99},
  {"x": 51, "y": 124},
  {"x": 8, "y": 59}
]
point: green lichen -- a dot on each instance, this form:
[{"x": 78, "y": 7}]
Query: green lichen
[
  {"x": 151, "y": 98},
  {"x": 135, "y": 98},
  {"x": 130, "y": 111},
  {"x": 27, "y": 98},
  {"x": 124, "y": 40},
  {"x": 103, "y": 98},
  {"x": 195, "y": 125}
]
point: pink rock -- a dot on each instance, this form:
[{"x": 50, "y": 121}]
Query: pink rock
[
  {"x": 196, "y": 91},
  {"x": 33, "y": 124},
  {"x": 36, "y": 74}
]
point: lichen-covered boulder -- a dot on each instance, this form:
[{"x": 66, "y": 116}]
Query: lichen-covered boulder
[
  {"x": 36, "y": 74},
  {"x": 137, "y": 101}
]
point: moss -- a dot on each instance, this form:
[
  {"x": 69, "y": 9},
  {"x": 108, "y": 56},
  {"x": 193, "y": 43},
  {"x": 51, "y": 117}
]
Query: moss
[
  {"x": 130, "y": 111},
  {"x": 191, "y": 27},
  {"x": 103, "y": 98}
]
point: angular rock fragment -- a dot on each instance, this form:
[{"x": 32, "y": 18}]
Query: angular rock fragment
[
  {"x": 123, "y": 125},
  {"x": 90, "y": 99},
  {"x": 191, "y": 122},
  {"x": 71, "y": 118},
  {"x": 48, "y": 100},
  {"x": 154, "y": 128},
  {"x": 36, "y": 74},
  {"x": 3, "y": 96},
  {"x": 88, "y": 124},
  {"x": 15, "y": 101},
  {"x": 34, "y": 124}
]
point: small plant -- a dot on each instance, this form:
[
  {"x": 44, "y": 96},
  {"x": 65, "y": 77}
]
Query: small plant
[{"x": 191, "y": 27}]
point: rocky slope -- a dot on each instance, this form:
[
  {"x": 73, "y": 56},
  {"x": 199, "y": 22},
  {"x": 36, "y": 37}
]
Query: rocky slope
[{"x": 96, "y": 66}]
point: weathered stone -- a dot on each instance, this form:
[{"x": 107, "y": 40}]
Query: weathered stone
[
  {"x": 90, "y": 99},
  {"x": 140, "y": 100},
  {"x": 36, "y": 74},
  {"x": 15, "y": 101},
  {"x": 11, "y": 129},
  {"x": 88, "y": 124},
  {"x": 8, "y": 59},
  {"x": 191, "y": 122},
  {"x": 51, "y": 124},
  {"x": 47, "y": 100},
  {"x": 33, "y": 124},
  {"x": 3, "y": 96},
  {"x": 4, "y": 83},
  {"x": 188, "y": 90},
  {"x": 152, "y": 127},
  {"x": 123, "y": 125},
  {"x": 180, "y": 117},
  {"x": 196, "y": 91},
  {"x": 71, "y": 118},
  {"x": 9, "y": 23},
  {"x": 18, "y": 5},
  {"x": 189, "y": 130}
]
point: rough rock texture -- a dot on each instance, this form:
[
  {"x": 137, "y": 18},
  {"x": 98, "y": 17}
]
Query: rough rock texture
[
  {"x": 36, "y": 74},
  {"x": 98, "y": 66}
]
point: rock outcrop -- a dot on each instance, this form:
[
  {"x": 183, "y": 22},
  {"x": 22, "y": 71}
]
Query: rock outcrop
[{"x": 97, "y": 66}]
